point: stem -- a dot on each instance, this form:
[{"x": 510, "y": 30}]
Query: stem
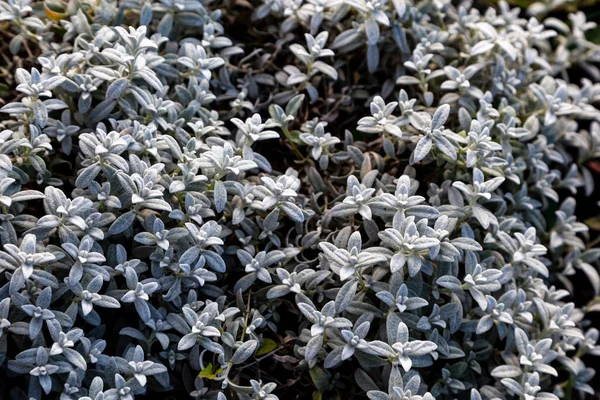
[
  {"x": 288, "y": 136},
  {"x": 259, "y": 359},
  {"x": 246, "y": 318},
  {"x": 593, "y": 242},
  {"x": 569, "y": 388}
]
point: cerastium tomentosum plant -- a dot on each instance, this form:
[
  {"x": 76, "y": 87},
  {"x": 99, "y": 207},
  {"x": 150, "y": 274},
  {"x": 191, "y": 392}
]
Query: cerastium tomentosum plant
[{"x": 295, "y": 199}]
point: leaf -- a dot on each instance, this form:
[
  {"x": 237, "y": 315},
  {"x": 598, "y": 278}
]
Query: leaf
[
  {"x": 292, "y": 211},
  {"x": 244, "y": 352},
  {"x": 75, "y": 358},
  {"x": 345, "y": 295},
  {"x": 450, "y": 282},
  {"x": 214, "y": 260},
  {"x": 209, "y": 372},
  {"x": 116, "y": 88},
  {"x": 506, "y": 371},
  {"x": 268, "y": 346},
  {"x": 157, "y": 204},
  {"x": 87, "y": 175},
  {"x": 372, "y": 30},
  {"x": 407, "y": 80},
  {"x": 277, "y": 291},
  {"x": 220, "y": 195},
  {"x": 40, "y": 113},
  {"x": 4, "y": 90},
  {"x": 15, "y": 108},
  {"x": 122, "y": 223},
  {"x": 150, "y": 78},
  {"x": 440, "y": 116},
  {"x": 326, "y": 69},
  {"x": 593, "y": 223},
  {"x": 372, "y": 57},
  {"x": 294, "y": 104},
  {"x": 334, "y": 358},
  {"x": 482, "y": 47},
  {"x": 320, "y": 378},
  {"x": 593, "y": 165},
  {"x": 445, "y": 146},
  {"x": 26, "y": 195},
  {"x": 400, "y": 7},
  {"x": 314, "y": 345},
  {"x": 466, "y": 244},
  {"x": 422, "y": 149},
  {"x": 146, "y": 14},
  {"x": 102, "y": 110}
]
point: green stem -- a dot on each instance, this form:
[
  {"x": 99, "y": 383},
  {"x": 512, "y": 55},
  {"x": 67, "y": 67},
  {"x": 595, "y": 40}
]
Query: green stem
[
  {"x": 593, "y": 242},
  {"x": 569, "y": 388},
  {"x": 288, "y": 136}
]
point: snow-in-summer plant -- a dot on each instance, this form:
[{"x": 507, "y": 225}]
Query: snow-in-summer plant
[{"x": 279, "y": 199}]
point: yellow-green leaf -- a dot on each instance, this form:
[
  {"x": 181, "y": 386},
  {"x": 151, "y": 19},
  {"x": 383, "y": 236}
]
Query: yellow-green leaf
[
  {"x": 55, "y": 10},
  {"x": 268, "y": 346},
  {"x": 4, "y": 90},
  {"x": 209, "y": 373},
  {"x": 320, "y": 378},
  {"x": 593, "y": 223}
]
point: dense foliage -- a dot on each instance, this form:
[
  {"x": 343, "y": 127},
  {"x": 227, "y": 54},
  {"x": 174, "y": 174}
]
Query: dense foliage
[{"x": 296, "y": 198}]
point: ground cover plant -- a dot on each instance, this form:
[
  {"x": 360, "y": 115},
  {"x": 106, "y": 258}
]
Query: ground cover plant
[{"x": 298, "y": 199}]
